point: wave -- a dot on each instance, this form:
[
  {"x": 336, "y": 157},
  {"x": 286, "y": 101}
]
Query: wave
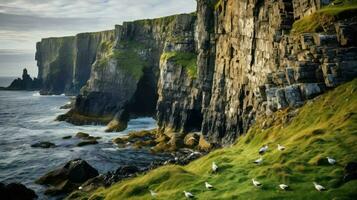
[{"x": 36, "y": 94}]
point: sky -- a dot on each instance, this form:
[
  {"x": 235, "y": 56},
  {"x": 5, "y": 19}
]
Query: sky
[{"x": 24, "y": 22}]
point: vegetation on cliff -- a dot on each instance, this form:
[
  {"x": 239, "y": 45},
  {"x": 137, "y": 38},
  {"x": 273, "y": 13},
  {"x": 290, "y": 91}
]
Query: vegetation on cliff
[
  {"x": 186, "y": 60},
  {"x": 323, "y": 127},
  {"x": 325, "y": 17}
]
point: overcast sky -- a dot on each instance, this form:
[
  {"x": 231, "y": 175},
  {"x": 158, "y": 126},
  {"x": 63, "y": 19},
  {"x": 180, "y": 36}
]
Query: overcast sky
[{"x": 24, "y": 22}]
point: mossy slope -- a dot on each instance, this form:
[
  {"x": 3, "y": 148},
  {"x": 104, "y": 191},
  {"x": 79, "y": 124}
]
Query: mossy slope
[
  {"x": 324, "y": 127},
  {"x": 325, "y": 17}
]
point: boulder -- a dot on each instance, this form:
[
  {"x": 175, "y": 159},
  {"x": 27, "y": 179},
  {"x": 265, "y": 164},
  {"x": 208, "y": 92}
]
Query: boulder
[
  {"x": 191, "y": 139},
  {"x": 16, "y": 191},
  {"x": 43, "y": 144},
  {"x": 87, "y": 142},
  {"x": 82, "y": 135},
  {"x": 67, "y": 178}
]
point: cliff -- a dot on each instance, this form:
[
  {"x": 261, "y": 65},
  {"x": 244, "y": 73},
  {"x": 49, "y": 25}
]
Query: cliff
[
  {"x": 212, "y": 72},
  {"x": 124, "y": 77},
  {"x": 257, "y": 57},
  {"x": 64, "y": 64}
]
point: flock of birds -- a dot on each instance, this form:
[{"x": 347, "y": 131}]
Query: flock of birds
[{"x": 256, "y": 183}]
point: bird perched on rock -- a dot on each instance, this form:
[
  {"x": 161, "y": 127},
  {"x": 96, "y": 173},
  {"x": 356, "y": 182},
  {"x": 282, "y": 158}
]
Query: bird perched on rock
[
  {"x": 80, "y": 188},
  {"x": 208, "y": 186},
  {"x": 153, "y": 194},
  {"x": 281, "y": 148},
  {"x": 331, "y": 160},
  {"x": 263, "y": 149},
  {"x": 256, "y": 183},
  {"x": 319, "y": 187},
  {"x": 283, "y": 186},
  {"x": 188, "y": 194},
  {"x": 214, "y": 167},
  {"x": 258, "y": 161}
]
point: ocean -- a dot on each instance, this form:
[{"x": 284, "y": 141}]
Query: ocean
[{"x": 27, "y": 117}]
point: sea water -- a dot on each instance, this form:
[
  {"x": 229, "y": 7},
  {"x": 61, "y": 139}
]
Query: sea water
[{"x": 27, "y": 118}]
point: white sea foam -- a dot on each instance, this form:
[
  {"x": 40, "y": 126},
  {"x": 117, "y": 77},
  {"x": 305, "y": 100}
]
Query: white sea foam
[{"x": 36, "y": 94}]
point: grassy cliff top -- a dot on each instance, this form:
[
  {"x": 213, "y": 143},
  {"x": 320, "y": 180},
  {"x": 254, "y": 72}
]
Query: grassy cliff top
[
  {"x": 326, "y": 126},
  {"x": 337, "y": 10}
]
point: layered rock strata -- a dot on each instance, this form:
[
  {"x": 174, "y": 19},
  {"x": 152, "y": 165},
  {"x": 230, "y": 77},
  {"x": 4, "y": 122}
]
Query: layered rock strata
[{"x": 64, "y": 64}]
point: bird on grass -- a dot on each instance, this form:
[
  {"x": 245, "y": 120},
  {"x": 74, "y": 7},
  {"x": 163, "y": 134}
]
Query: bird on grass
[
  {"x": 188, "y": 194},
  {"x": 319, "y": 187},
  {"x": 256, "y": 183},
  {"x": 208, "y": 186},
  {"x": 214, "y": 167},
  {"x": 283, "y": 186},
  {"x": 258, "y": 161},
  {"x": 153, "y": 194},
  {"x": 331, "y": 160},
  {"x": 263, "y": 149},
  {"x": 281, "y": 148}
]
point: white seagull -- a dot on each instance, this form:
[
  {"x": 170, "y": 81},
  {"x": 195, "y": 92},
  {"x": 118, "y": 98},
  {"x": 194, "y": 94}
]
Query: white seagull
[
  {"x": 208, "y": 186},
  {"x": 281, "y": 148},
  {"x": 283, "y": 186},
  {"x": 331, "y": 160},
  {"x": 263, "y": 149},
  {"x": 188, "y": 194},
  {"x": 256, "y": 183},
  {"x": 153, "y": 194},
  {"x": 214, "y": 167},
  {"x": 80, "y": 188},
  {"x": 258, "y": 161},
  {"x": 319, "y": 187}
]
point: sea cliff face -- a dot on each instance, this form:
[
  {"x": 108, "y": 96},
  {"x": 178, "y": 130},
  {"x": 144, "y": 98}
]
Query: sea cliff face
[
  {"x": 252, "y": 61},
  {"x": 123, "y": 80},
  {"x": 212, "y": 72},
  {"x": 64, "y": 64}
]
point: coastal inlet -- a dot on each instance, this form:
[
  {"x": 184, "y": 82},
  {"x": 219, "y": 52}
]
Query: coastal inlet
[{"x": 27, "y": 118}]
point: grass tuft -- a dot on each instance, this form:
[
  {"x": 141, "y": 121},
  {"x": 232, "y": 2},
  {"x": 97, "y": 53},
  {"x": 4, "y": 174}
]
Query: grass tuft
[{"x": 186, "y": 60}]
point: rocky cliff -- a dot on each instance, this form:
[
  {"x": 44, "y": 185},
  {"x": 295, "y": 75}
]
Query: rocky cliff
[
  {"x": 123, "y": 80},
  {"x": 64, "y": 64},
  {"x": 211, "y": 72},
  {"x": 256, "y": 57}
]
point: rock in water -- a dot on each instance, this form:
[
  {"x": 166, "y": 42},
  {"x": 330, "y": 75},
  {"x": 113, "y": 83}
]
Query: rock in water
[
  {"x": 67, "y": 178},
  {"x": 16, "y": 191},
  {"x": 26, "y": 83},
  {"x": 45, "y": 145}
]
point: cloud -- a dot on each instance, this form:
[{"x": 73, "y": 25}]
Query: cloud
[{"x": 24, "y": 22}]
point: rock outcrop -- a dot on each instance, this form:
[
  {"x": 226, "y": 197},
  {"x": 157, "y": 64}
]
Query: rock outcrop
[
  {"x": 64, "y": 64},
  {"x": 26, "y": 83},
  {"x": 16, "y": 191},
  {"x": 67, "y": 178}
]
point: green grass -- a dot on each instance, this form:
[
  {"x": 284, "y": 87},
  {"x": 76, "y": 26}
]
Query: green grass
[
  {"x": 186, "y": 60},
  {"x": 340, "y": 9},
  {"x": 127, "y": 56},
  {"x": 326, "y": 126}
]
